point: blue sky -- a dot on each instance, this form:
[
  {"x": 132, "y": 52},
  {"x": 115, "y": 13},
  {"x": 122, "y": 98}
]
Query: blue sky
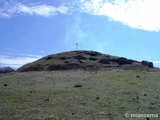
[{"x": 31, "y": 29}]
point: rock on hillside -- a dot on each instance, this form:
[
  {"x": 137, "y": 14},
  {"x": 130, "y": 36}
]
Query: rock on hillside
[{"x": 83, "y": 60}]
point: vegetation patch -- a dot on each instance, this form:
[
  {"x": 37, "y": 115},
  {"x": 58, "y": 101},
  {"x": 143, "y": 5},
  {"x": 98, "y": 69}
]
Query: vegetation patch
[{"x": 83, "y": 59}]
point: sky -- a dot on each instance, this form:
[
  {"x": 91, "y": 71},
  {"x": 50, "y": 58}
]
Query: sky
[{"x": 31, "y": 29}]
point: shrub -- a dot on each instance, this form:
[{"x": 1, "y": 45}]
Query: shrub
[
  {"x": 6, "y": 70},
  {"x": 146, "y": 63},
  {"x": 34, "y": 67}
]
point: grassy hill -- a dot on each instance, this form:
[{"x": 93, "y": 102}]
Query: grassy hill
[
  {"x": 79, "y": 95},
  {"x": 83, "y": 60},
  {"x": 80, "y": 85}
]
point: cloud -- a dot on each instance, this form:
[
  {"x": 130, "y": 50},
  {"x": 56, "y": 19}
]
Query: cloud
[
  {"x": 24, "y": 55},
  {"x": 78, "y": 32},
  {"x": 156, "y": 62},
  {"x": 41, "y": 10},
  {"x": 139, "y": 14},
  {"x": 17, "y": 61},
  {"x": 4, "y": 15},
  {"x": 9, "y": 10}
]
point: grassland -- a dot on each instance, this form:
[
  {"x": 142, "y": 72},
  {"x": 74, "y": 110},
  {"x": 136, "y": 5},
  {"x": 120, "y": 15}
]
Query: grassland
[{"x": 101, "y": 95}]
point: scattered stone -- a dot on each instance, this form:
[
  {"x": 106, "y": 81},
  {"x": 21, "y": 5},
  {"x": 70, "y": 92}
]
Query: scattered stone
[
  {"x": 137, "y": 76},
  {"x": 137, "y": 97},
  {"x": 78, "y": 85},
  {"x": 5, "y": 85},
  {"x": 122, "y": 108},
  {"x": 109, "y": 114},
  {"x": 97, "y": 98},
  {"x": 32, "y": 91}
]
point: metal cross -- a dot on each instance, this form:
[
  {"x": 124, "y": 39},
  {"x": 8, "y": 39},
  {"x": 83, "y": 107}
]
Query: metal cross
[{"x": 77, "y": 46}]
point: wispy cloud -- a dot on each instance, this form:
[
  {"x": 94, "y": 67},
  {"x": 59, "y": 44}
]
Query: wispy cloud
[
  {"x": 79, "y": 34},
  {"x": 156, "y": 63},
  {"x": 140, "y": 14},
  {"x": 17, "y": 61},
  {"x": 10, "y": 9}
]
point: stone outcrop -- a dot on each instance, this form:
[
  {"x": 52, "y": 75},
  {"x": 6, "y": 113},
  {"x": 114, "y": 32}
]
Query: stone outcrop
[
  {"x": 122, "y": 61},
  {"x": 104, "y": 61},
  {"x": 146, "y": 63}
]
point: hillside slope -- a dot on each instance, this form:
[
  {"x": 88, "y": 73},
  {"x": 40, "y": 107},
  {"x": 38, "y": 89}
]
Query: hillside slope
[
  {"x": 79, "y": 95},
  {"x": 84, "y": 60}
]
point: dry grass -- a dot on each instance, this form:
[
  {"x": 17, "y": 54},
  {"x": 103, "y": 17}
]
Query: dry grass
[{"x": 106, "y": 95}]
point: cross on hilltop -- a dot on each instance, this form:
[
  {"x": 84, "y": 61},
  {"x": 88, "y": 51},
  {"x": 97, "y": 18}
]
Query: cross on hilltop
[{"x": 76, "y": 46}]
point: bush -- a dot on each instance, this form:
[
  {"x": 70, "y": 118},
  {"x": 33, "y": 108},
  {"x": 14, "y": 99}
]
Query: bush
[
  {"x": 149, "y": 64},
  {"x": 27, "y": 68},
  {"x": 6, "y": 70}
]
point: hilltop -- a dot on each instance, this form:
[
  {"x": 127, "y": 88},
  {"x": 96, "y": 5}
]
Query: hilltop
[{"x": 82, "y": 59}]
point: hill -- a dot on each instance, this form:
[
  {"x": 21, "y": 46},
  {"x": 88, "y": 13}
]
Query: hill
[
  {"x": 84, "y": 60},
  {"x": 80, "y": 88}
]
